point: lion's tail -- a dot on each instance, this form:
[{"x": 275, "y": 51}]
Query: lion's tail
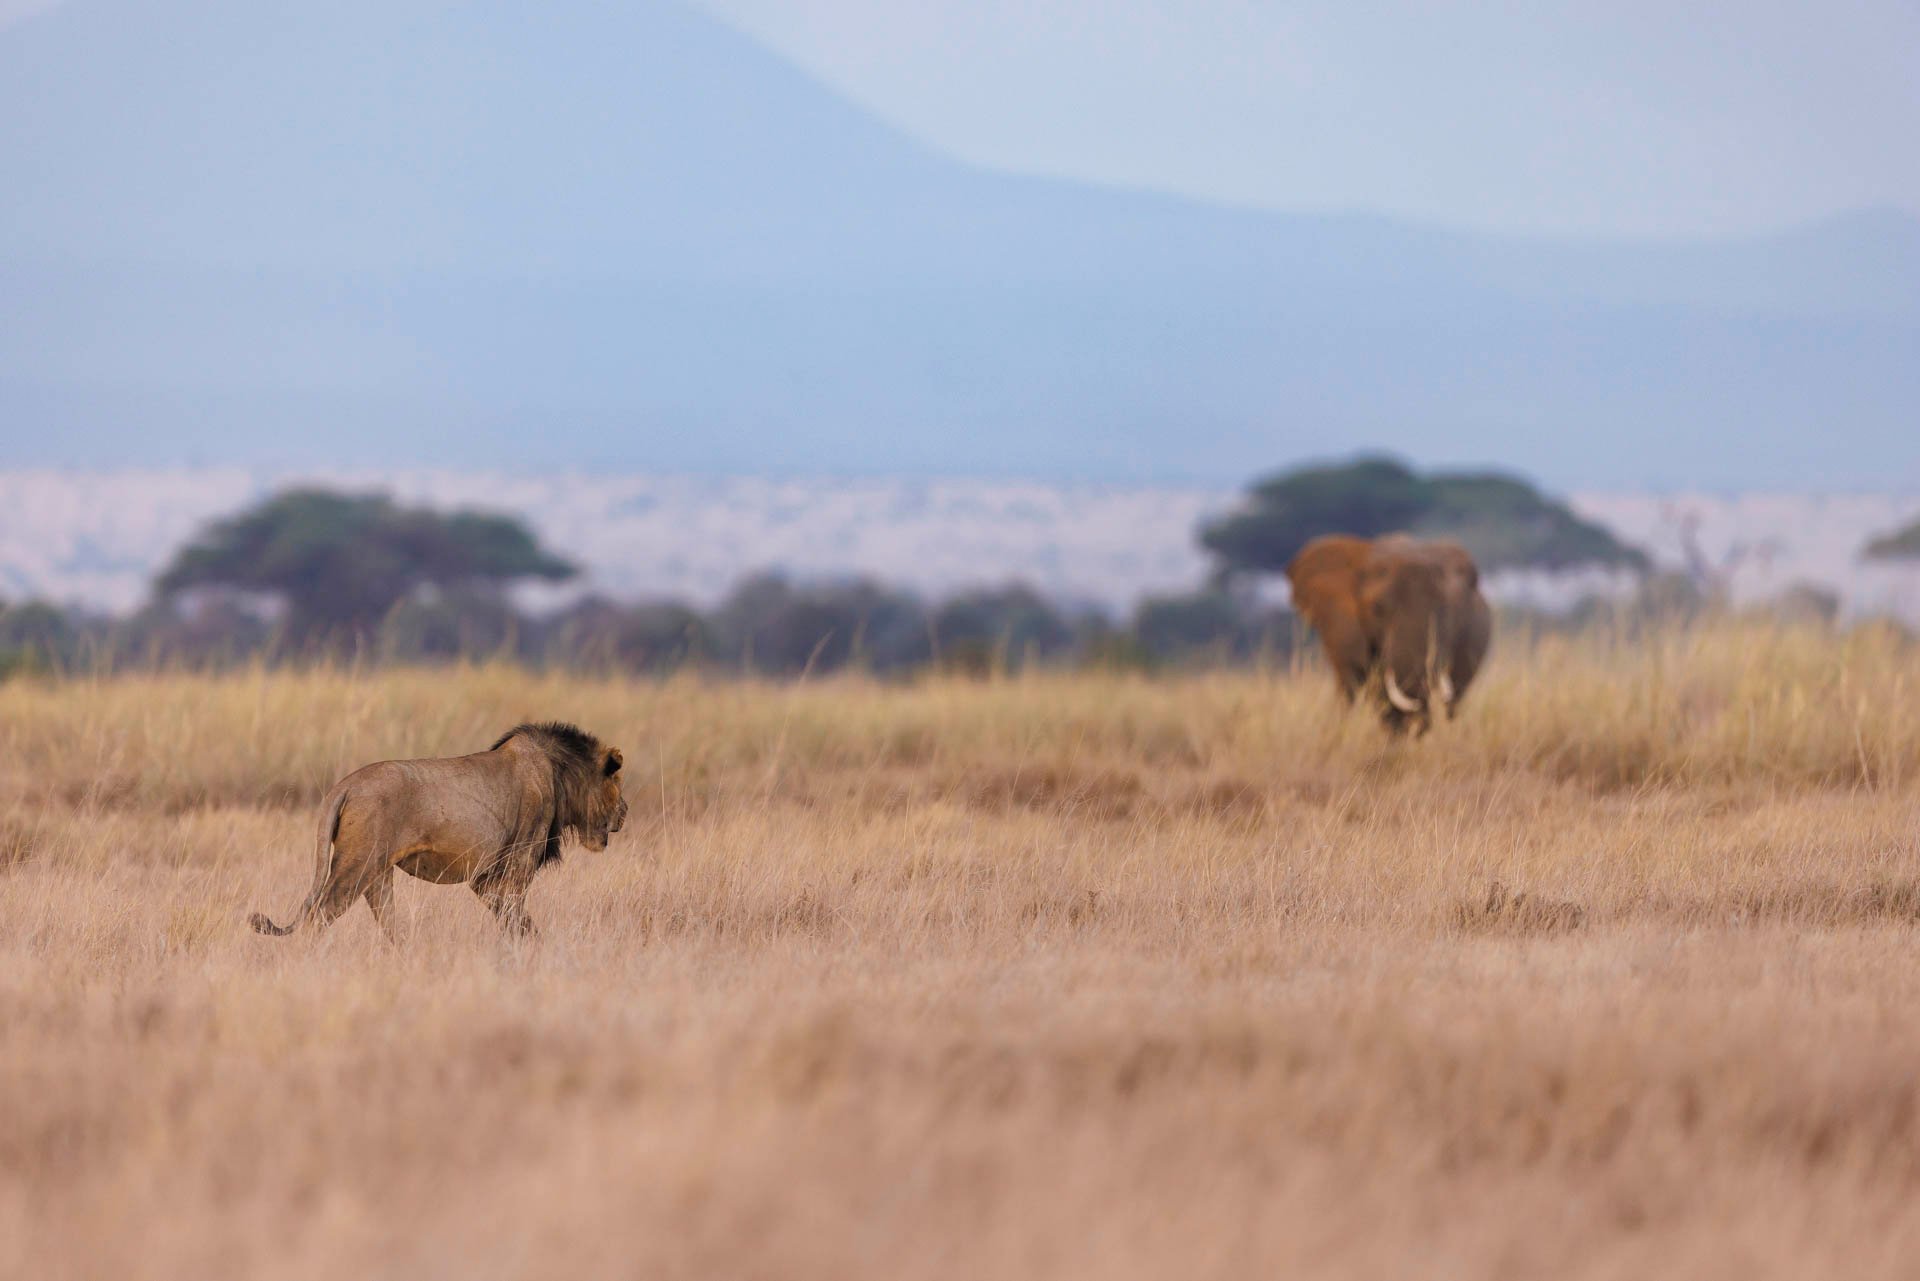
[
  {"x": 262, "y": 925},
  {"x": 322, "y": 871}
]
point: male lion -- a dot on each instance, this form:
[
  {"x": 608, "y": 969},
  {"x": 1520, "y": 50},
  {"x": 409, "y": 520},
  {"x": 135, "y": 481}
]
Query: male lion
[{"x": 491, "y": 819}]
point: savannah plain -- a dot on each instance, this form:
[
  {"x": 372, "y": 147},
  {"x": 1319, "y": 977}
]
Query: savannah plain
[{"x": 1071, "y": 974}]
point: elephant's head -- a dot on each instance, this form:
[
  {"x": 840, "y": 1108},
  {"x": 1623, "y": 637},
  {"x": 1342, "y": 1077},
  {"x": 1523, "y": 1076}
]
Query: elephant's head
[{"x": 1398, "y": 615}]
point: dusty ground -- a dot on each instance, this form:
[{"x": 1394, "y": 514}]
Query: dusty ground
[{"x": 1064, "y": 976}]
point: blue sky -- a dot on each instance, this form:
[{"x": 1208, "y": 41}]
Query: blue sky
[{"x": 1624, "y": 117}]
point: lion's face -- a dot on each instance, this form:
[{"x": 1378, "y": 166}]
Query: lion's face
[{"x": 606, "y": 807}]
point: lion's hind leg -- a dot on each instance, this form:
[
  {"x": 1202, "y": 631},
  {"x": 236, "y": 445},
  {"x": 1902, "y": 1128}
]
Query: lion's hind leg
[
  {"x": 334, "y": 895},
  {"x": 379, "y": 895},
  {"x": 322, "y": 906},
  {"x": 325, "y": 876},
  {"x": 361, "y": 867}
]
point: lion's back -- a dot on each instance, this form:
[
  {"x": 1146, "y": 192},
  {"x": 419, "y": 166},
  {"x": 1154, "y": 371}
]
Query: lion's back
[{"x": 450, "y": 801}]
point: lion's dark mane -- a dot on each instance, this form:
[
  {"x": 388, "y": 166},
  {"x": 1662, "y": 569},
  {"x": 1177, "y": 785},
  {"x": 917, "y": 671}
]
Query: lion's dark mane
[
  {"x": 576, "y": 757},
  {"x": 559, "y": 738}
]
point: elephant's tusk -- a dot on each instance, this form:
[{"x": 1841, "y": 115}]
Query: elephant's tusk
[
  {"x": 1443, "y": 686},
  {"x": 1398, "y": 697}
]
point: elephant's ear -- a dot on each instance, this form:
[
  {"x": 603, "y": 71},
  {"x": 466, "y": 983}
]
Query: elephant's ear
[
  {"x": 1374, "y": 585},
  {"x": 1325, "y": 578}
]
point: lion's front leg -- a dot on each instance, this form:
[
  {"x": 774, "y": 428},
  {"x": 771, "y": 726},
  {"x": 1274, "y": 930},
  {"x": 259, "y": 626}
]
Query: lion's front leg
[
  {"x": 505, "y": 894},
  {"x": 503, "y": 884}
]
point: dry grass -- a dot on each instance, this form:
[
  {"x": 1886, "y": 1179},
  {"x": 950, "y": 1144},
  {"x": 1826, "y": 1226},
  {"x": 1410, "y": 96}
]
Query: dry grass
[{"x": 1069, "y": 975}]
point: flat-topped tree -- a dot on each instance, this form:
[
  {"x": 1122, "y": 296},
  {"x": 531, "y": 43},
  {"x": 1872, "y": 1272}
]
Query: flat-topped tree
[
  {"x": 1901, "y": 545},
  {"x": 1504, "y": 521},
  {"x": 1508, "y": 524},
  {"x": 341, "y": 562}
]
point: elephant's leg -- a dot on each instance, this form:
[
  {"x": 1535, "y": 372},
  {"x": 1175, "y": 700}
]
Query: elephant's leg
[
  {"x": 1409, "y": 724},
  {"x": 1470, "y": 648},
  {"x": 1350, "y": 655}
]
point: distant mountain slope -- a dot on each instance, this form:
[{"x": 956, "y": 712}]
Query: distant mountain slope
[{"x": 271, "y": 231}]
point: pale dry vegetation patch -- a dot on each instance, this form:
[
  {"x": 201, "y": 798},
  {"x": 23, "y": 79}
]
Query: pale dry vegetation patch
[{"x": 1057, "y": 975}]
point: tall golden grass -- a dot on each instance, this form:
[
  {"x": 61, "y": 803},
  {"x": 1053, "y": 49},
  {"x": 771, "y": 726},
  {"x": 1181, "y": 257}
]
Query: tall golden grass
[{"x": 1068, "y": 974}]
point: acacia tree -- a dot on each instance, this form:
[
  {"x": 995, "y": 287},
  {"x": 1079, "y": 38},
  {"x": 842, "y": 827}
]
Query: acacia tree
[
  {"x": 1000, "y": 627},
  {"x": 1900, "y": 545},
  {"x": 784, "y": 628},
  {"x": 341, "y": 562},
  {"x": 1505, "y": 522}
]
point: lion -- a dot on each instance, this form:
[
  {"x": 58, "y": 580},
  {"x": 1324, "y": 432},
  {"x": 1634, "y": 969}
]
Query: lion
[{"x": 491, "y": 819}]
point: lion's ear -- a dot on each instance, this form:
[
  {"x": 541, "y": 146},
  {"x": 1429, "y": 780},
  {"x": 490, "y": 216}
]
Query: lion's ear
[{"x": 614, "y": 761}]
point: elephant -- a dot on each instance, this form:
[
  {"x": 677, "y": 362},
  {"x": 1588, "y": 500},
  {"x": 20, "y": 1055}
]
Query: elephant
[{"x": 1405, "y": 609}]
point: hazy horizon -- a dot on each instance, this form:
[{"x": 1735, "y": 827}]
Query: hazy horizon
[
  {"x": 1574, "y": 120},
  {"x": 738, "y": 237}
]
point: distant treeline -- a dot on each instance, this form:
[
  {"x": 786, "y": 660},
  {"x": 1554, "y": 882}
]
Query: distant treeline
[
  {"x": 767, "y": 625},
  {"x": 314, "y": 575}
]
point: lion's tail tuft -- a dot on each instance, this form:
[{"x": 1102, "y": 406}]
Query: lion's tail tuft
[{"x": 262, "y": 925}]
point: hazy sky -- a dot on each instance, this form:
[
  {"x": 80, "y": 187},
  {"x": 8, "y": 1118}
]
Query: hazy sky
[
  {"x": 1615, "y": 115},
  {"x": 1636, "y": 116}
]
